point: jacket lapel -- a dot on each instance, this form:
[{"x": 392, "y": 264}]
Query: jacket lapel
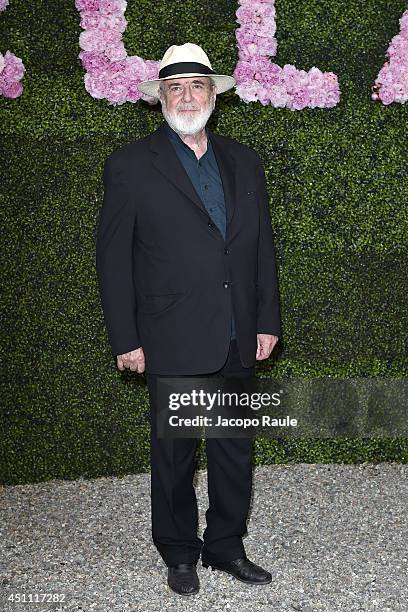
[
  {"x": 168, "y": 163},
  {"x": 227, "y": 167}
]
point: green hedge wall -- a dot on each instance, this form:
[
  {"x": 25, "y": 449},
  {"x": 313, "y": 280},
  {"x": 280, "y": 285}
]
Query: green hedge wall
[{"x": 338, "y": 189}]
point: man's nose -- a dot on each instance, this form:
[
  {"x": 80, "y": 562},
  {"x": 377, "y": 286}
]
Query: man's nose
[{"x": 186, "y": 93}]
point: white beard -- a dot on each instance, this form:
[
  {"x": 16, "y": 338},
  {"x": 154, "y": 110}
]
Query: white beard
[{"x": 188, "y": 123}]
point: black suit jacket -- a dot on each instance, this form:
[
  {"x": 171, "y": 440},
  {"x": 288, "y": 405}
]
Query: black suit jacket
[{"x": 167, "y": 280}]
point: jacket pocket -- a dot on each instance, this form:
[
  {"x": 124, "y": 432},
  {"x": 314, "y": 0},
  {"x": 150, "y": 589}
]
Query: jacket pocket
[{"x": 155, "y": 303}]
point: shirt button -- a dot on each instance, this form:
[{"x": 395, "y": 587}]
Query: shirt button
[{"x": 205, "y": 186}]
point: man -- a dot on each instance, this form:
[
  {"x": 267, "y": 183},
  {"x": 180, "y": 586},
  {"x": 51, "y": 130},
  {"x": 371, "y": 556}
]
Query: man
[{"x": 186, "y": 269}]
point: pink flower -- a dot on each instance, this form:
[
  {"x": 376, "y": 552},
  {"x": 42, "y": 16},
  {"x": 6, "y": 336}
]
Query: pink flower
[
  {"x": 259, "y": 68},
  {"x": 278, "y": 96},
  {"x": 116, "y": 52},
  {"x": 11, "y": 72},
  {"x": 92, "y": 40},
  {"x": 103, "y": 22},
  {"x": 300, "y": 99},
  {"x": 385, "y": 75},
  {"x": 110, "y": 37},
  {"x": 3, "y": 4},
  {"x": 117, "y": 89},
  {"x": 133, "y": 94},
  {"x": 317, "y": 98},
  {"x": 315, "y": 78},
  {"x": 112, "y": 75},
  {"x": 398, "y": 47},
  {"x": 87, "y": 5},
  {"x": 302, "y": 78},
  {"x": 401, "y": 91},
  {"x": 13, "y": 67},
  {"x": 89, "y": 20},
  {"x": 387, "y": 94},
  {"x": 139, "y": 70},
  {"x": 261, "y": 64},
  {"x": 12, "y": 90},
  {"x": 93, "y": 62},
  {"x": 134, "y": 68},
  {"x": 113, "y": 22},
  {"x": 267, "y": 28},
  {"x": 404, "y": 25},
  {"x": 263, "y": 94},
  {"x": 289, "y": 70},
  {"x": 290, "y": 78},
  {"x": 112, "y": 6},
  {"x": 391, "y": 84},
  {"x": 404, "y": 30},
  {"x": 243, "y": 72},
  {"x": 151, "y": 70},
  {"x": 330, "y": 81},
  {"x": 95, "y": 85},
  {"x": 332, "y": 98},
  {"x": 398, "y": 71},
  {"x": 259, "y": 79},
  {"x": 251, "y": 46},
  {"x": 116, "y": 68},
  {"x": 248, "y": 92},
  {"x": 274, "y": 74},
  {"x": 255, "y": 16}
]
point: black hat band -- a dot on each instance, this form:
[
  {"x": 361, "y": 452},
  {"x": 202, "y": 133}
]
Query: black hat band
[{"x": 184, "y": 67}]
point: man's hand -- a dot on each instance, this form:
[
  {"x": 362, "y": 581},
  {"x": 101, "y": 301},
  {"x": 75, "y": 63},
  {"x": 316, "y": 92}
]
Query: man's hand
[
  {"x": 266, "y": 343},
  {"x": 134, "y": 360}
]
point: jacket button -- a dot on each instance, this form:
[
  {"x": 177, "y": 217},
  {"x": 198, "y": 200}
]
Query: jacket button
[
  {"x": 211, "y": 225},
  {"x": 226, "y": 284},
  {"x": 226, "y": 251}
]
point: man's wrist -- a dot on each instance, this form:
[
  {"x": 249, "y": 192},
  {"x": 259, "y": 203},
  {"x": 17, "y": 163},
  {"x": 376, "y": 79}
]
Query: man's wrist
[{"x": 268, "y": 333}]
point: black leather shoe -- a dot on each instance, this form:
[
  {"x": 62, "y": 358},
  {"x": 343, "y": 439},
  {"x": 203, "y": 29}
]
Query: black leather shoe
[
  {"x": 242, "y": 569},
  {"x": 183, "y": 579}
]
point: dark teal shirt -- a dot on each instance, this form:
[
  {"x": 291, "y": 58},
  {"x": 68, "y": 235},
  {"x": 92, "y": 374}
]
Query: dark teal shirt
[{"x": 205, "y": 176}]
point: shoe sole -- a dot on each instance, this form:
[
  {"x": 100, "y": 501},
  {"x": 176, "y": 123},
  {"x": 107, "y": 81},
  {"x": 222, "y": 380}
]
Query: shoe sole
[
  {"x": 182, "y": 594},
  {"x": 220, "y": 569}
]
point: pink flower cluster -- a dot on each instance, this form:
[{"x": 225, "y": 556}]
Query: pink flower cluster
[
  {"x": 11, "y": 70},
  {"x": 391, "y": 84},
  {"x": 110, "y": 73},
  {"x": 258, "y": 79}
]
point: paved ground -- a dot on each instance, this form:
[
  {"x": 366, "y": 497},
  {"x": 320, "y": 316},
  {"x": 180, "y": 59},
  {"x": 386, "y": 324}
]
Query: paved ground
[{"x": 333, "y": 536}]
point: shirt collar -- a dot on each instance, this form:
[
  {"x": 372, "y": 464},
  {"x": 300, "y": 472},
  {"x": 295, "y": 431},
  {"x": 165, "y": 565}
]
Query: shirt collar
[{"x": 176, "y": 138}]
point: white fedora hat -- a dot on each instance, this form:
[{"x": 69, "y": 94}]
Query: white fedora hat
[{"x": 186, "y": 60}]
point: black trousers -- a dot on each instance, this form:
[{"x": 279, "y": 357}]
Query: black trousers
[{"x": 173, "y": 499}]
